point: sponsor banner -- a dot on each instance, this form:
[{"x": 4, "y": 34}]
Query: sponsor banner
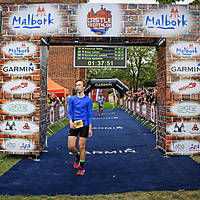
[
  {"x": 144, "y": 109},
  {"x": 185, "y": 49},
  {"x": 18, "y": 107},
  {"x": 121, "y": 102},
  {"x": 99, "y": 19},
  {"x": 19, "y": 49},
  {"x": 186, "y": 109},
  {"x": 62, "y": 112},
  {"x": 137, "y": 107},
  {"x": 18, "y": 145},
  {"x": 36, "y": 19},
  {"x": 186, "y": 87},
  {"x": 185, "y": 147},
  {"x": 19, "y": 127},
  {"x": 19, "y": 87},
  {"x": 184, "y": 129},
  {"x": 185, "y": 68},
  {"x": 171, "y": 21},
  {"x": 19, "y": 68},
  {"x": 51, "y": 115},
  {"x": 133, "y": 106},
  {"x": 152, "y": 113},
  {"x": 129, "y": 105}
]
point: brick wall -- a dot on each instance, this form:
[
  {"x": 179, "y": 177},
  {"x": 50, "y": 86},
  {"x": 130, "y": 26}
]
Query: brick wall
[
  {"x": 61, "y": 67},
  {"x": 132, "y": 26}
]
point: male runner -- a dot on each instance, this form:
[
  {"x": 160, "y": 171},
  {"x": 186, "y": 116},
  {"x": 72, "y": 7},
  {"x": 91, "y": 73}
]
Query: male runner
[
  {"x": 100, "y": 101},
  {"x": 80, "y": 124}
]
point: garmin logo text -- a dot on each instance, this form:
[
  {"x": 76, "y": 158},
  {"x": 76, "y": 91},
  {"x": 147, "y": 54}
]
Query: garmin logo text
[
  {"x": 103, "y": 84},
  {"x": 18, "y": 68},
  {"x": 100, "y": 152},
  {"x": 185, "y": 68}
]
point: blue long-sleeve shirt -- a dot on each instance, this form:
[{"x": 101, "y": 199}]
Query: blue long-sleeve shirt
[{"x": 81, "y": 109}]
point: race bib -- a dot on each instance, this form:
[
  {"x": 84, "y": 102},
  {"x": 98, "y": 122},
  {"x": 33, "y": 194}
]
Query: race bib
[
  {"x": 78, "y": 124},
  {"x": 101, "y": 104}
]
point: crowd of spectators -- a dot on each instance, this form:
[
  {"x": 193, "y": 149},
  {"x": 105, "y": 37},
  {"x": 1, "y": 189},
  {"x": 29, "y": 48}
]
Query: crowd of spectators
[
  {"x": 148, "y": 95},
  {"x": 53, "y": 100}
]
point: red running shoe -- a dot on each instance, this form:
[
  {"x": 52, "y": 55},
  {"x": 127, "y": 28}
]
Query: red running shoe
[
  {"x": 76, "y": 163},
  {"x": 81, "y": 171}
]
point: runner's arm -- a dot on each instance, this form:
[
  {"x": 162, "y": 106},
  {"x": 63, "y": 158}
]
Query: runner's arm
[{"x": 69, "y": 114}]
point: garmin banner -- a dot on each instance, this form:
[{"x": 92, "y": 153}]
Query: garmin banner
[{"x": 106, "y": 83}]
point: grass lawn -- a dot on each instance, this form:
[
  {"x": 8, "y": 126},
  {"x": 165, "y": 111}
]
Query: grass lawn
[{"x": 7, "y": 161}]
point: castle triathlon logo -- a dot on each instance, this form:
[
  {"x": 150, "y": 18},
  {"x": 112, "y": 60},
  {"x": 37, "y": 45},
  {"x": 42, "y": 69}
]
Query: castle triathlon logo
[
  {"x": 99, "y": 22},
  {"x": 172, "y": 21},
  {"x": 37, "y": 19}
]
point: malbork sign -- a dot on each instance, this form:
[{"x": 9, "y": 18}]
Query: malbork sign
[
  {"x": 39, "y": 18},
  {"x": 172, "y": 21}
]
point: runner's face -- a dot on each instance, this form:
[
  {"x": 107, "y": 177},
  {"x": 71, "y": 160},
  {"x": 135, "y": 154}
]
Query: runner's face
[{"x": 79, "y": 86}]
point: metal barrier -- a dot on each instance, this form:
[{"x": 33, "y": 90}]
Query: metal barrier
[{"x": 146, "y": 112}]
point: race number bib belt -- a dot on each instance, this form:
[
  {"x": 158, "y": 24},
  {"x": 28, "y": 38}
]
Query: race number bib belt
[
  {"x": 78, "y": 124},
  {"x": 101, "y": 104}
]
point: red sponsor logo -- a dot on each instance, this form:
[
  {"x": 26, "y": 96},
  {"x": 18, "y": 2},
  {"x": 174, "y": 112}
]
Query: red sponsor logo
[
  {"x": 190, "y": 85},
  {"x": 99, "y": 22},
  {"x": 174, "y": 12},
  {"x": 22, "y": 85}
]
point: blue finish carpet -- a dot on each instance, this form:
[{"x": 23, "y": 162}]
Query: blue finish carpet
[{"x": 121, "y": 157}]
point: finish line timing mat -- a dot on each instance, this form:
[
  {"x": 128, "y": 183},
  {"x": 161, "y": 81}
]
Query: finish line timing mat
[{"x": 121, "y": 157}]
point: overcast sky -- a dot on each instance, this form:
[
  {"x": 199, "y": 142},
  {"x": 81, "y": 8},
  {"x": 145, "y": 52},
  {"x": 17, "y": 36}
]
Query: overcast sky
[{"x": 134, "y": 1}]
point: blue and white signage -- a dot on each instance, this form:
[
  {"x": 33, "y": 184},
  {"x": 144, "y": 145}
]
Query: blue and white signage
[
  {"x": 51, "y": 115},
  {"x": 184, "y": 129},
  {"x": 185, "y": 49},
  {"x": 152, "y": 112},
  {"x": 19, "y": 87},
  {"x": 17, "y": 127},
  {"x": 133, "y": 106},
  {"x": 62, "y": 112},
  {"x": 171, "y": 21},
  {"x": 37, "y": 19},
  {"x": 186, "y": 87},
  {"x": 19, "y": 68},
  {"x": 99, "y": 19},
  {"x": 19, "y": 49},
  {"x": 137, "y": 107},
  {"x": 18, "y": 107},
  {"x": 144, "y": 109},
  {"x": 185, "y": 68},
  {"x": 186, "y": 109},
  {"x": 18, "y": 145},
  {"x": 185, "y": 147}
]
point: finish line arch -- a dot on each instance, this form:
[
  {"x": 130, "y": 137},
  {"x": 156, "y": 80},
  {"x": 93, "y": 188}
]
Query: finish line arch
[
  {"x": 27, "y": 30},
  {"x": 106, "y": 83}
]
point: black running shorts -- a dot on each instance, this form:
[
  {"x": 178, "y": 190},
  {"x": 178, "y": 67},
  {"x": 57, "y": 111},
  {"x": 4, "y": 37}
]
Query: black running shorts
[
  {"x": 83, "y": 132},
  {"x": 100, "y": 105}
]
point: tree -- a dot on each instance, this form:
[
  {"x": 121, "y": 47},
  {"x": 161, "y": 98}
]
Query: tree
[
  {"x": 195, "y": 2},
  {"x": 141, "y": 64},
  {"x": 141, "y": 67}
]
